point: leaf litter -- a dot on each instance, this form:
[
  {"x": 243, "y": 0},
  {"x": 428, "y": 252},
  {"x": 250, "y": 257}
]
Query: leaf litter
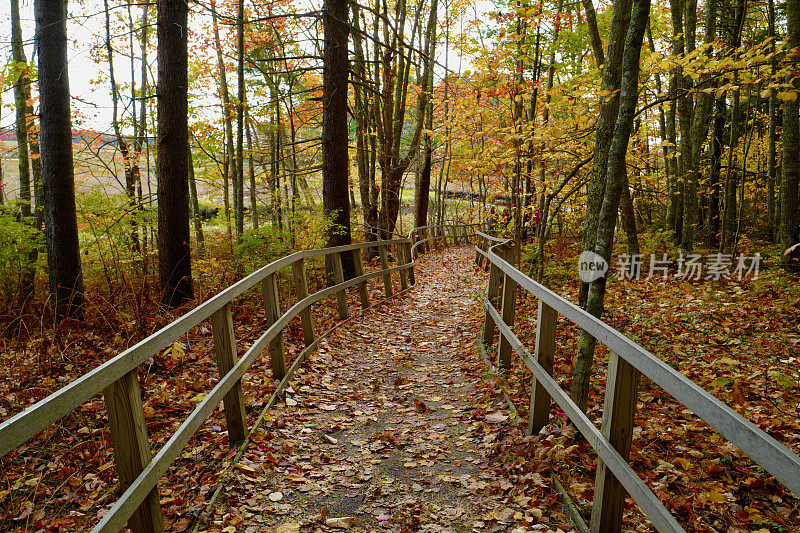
[{"x": 393, "y": 426}]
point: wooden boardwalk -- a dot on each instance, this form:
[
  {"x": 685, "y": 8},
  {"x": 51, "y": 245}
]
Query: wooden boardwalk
[{"x": 389, "y": 425}]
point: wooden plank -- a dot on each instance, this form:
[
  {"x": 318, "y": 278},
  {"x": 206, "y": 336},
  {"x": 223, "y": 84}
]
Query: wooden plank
[
  {"x": 338, "y": 277},
  {"x": 773, "y": 456},
  {"x": 622, "y": 384},
  {"x": 401, "y": 254},
  {"x": 301, "y": 290},
  {"x": 272, "y": 309},
  {"x": 539, "y": 412},
  {"x": 410, "y": 258},
  {"x": 387, "y": 278},
  {"x": 509, "y": 306},
  {"x": 123, "y": 400},
  {"x": 644, "y": 497},
  {"x": 225, "y": 350},
  {"x": 492, "y": 293},
  {"x": 363, "y": 293}
]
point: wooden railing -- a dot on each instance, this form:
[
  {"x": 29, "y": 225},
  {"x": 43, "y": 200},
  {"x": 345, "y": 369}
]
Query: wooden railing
[
  {"x": 117, "y": 379},
  {"x": 422, "y": 237},
  {"x": 628, "y": 360}
]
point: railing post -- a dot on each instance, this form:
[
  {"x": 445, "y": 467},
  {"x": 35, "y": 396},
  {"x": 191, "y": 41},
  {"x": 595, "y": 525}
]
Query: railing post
[
  {"x": 387, "y": 278},
  {"x": 301, "y": 290},
  {"x": 622, "y": 384},
  {"x": 225, "y": 350},
  {"x": 362, "y": 287},
  {"x": 487, "y": 244},
  {"x": 402, "y": 259},
  {"x": 123, "y": 400},
  {"x": 492, "y": 292},
  {"x": 272, "y": 308},
  {"x": 509, "y": 310},
  {"x": 338, "y": 277},
  {"x": 410, "y": 259},
  {"x": 539, "y": 412},
  {"x": 478, "y": 256}
]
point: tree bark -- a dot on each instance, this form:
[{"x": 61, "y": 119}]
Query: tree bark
[
  {"x": 238, "y": 177},
  {"x": 251, "y": 169},
  {"x": 174, "y": 252},
  {"x": 698, "y": 129},
  {"x": 791, "y": 140},
  {"x": 715, "y": 170},
  {"x": 594, "y": 34},
  {"x": 23, "y": 118},
  {"x": 194, "y": 205},
  {"x": 229, "y": 167},
  {"x": 772, "y": 156},
  {"x": 58, "y": 179},
  {"x": 335, "y": 158},
  {"x": 616, "y": 173},
  {"x": 604, "y": 128},
  {"x": 422, "y": 200}
]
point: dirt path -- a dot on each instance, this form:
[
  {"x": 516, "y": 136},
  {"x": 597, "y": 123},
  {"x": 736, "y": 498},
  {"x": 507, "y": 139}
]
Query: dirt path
[{"x": 389, "y": 426}]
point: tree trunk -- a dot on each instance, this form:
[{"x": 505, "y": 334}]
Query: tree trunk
[
  {"x": 194, "y": 205},
  {"x": 229, "y": 167},
  {"x": 130, "y": 177},
  {"x": 616, "y": 173},
  {"x": 335, "y": 158},
  {"x": 717, "y": 141},
  {"x": 61, "y": 224},
  {"x": 251, "y": 168},
  {"x": 422, "y": 200},
  {"x": 21, "y": 98},
  {"x": 698, "y": 129},
  {"x": 238, "y": 179},
  {"x": 174, "y": 252},
  {"x": 772, "y": 175},
  {"x": 20, "y": 102},
  {"x": 605, "y": 126},
  {"x": 594, "y": 34},
  {"x": 791, "y": 140}
]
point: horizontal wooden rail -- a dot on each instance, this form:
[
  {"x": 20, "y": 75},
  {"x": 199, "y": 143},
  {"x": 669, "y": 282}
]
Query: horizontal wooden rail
[
  {"x": 420, "y": 239},
  {"x": 628, "y": 358}
]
